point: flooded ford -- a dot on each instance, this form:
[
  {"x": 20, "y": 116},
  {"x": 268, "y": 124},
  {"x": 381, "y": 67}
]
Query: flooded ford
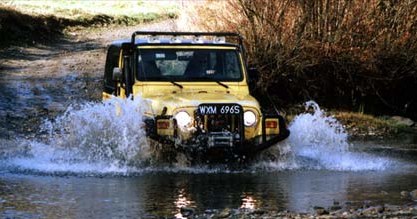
[
  {"x": 77, "y": 169},
  {"x": 63, "y": 155}
]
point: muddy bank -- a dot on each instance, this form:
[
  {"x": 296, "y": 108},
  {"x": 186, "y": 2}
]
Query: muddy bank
[
  {"x": 361, "y": 126},
  {"x": 365, "y": 209},
  {"x": 336, "y": 211},
  {"x": 18, "y": 28},
  {"x": 365, "y": 126}
]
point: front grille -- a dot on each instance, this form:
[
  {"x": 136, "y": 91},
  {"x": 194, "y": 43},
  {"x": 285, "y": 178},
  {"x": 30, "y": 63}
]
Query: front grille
[
  {"x": 219, "y": 130},
  {"x": 218, "y": 123},
  {"x": 222, "y": 139}
]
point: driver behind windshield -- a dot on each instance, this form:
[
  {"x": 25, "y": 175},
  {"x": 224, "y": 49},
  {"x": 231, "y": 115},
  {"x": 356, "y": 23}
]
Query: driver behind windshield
[{"x": 189, "y": 65}]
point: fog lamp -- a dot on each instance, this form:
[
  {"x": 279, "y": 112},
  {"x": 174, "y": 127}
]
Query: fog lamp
[
  {"x": 153, "y": 39},
  {"x": 198, "y": 39},
  {"x": 220, "y": 39}
]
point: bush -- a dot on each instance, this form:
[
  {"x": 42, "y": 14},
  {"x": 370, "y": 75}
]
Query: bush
[{"x": 344, "y": 53}]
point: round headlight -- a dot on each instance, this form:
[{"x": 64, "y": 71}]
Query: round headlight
[
  {"x": 249, "y": 118},
  {"x": 183, "y": 119}
]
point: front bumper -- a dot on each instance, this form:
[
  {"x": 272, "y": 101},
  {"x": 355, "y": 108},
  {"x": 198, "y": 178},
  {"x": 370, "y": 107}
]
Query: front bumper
[{"x": 225, "y": 143}]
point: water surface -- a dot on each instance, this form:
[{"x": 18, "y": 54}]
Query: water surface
[
  {"x": 72, "y": 168},
  {"x": 164, "y": 193}
]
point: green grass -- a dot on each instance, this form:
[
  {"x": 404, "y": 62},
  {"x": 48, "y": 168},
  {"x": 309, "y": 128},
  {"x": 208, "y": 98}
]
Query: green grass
[
  {"x": 42, "y": 21},
  {"x": 80, "y": 8}
]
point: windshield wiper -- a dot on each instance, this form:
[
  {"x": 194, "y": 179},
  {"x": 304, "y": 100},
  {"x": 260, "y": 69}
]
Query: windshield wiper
[
  {"x": 222, "y": 84},
  {"x": 176, "y": 84},
  {"x": 210, "y": 80}
]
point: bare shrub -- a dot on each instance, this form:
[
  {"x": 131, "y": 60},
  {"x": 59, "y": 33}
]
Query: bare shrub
[{"x": 348, "y": 53}]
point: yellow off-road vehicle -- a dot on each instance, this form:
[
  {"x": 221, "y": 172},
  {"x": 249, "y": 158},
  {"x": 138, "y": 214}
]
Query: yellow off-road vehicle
[{"x": 199, "y": 88}]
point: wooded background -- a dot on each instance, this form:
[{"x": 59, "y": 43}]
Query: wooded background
[{"x": 351, "y": 54}]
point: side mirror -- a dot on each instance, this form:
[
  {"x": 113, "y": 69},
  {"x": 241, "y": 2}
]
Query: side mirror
[
  {"x": 253, "y": 74},
  {"x": 117, "y": 74}
]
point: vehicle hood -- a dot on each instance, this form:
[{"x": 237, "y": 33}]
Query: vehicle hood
[{"x": 175, "y": 101}]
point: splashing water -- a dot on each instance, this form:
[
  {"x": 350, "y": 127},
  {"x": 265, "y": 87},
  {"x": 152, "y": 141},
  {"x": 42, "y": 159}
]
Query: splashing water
[
  {"x": 318, "y": 141},
  {"x": 91, "y": 137},
  {"x": 109, "y": 138}
]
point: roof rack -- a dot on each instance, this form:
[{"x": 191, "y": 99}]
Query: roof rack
[{"x": 196, "y": 34}]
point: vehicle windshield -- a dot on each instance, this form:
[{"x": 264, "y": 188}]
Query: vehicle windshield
[{"x": 189, "y": 65}]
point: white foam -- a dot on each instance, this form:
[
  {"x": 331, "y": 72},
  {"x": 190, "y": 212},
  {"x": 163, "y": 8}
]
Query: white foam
[
  {"x": 320, "y": 142},
  {"x": 91, "y": 137},
  {"x": 109, "y": 138}
]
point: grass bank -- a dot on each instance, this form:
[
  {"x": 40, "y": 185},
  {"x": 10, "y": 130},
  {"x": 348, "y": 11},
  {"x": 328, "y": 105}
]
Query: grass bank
[
  {"x": 30, "y": 22},
  {"x": 364, "y": 126},
  {"x": 361, "y": 125}
]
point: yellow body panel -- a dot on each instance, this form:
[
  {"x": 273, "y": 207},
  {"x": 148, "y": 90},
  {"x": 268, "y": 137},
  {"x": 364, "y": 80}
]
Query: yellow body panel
[
  {"x": 106, "y": 96},
  {"x": 176, "y": 99}
]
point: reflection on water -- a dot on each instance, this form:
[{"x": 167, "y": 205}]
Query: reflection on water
[
  {"x": 164, "y": 194},
  {"x": 181, "y": 202},
  {"x": 248, "y": 202}
]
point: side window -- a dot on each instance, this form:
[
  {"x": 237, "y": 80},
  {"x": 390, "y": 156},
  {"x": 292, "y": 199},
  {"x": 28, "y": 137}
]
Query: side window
[
  {"x": 112, "y": 61},
  {"x": 232, "y": 65}
]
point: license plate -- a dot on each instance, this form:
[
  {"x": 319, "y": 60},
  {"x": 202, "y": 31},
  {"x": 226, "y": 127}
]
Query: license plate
[{"x": 219, "y": 109}]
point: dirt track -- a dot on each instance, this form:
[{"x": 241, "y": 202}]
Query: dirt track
[{"x": 40, "y": 81}]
